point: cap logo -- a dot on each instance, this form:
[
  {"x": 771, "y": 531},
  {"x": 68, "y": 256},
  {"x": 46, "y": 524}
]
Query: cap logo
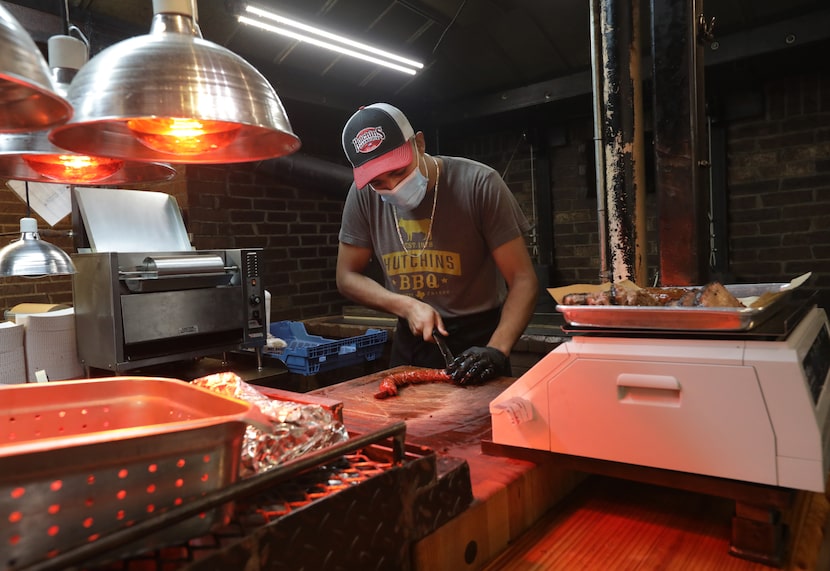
[{"x": 368, "y": 139}]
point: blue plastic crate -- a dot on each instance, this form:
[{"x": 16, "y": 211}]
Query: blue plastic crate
[{"x": 310, "y": 354}]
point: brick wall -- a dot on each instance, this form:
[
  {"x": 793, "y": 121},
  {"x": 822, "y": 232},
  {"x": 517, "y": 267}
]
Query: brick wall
[
  {"x": 235, "y": 207},
  {"x": 574, "y": 208},
  {"x": 779, "y": 184}
]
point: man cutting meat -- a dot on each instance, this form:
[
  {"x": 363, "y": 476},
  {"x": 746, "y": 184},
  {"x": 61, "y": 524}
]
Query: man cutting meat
[{"x": 449, "y": 236}]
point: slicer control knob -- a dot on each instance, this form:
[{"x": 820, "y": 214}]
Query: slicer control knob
[{"x": 255, "y": 299}]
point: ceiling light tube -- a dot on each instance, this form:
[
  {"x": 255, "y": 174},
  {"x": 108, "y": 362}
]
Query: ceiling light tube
[
  {"x": 326, "y": 45},
  {"x": 328, "y": 36}
]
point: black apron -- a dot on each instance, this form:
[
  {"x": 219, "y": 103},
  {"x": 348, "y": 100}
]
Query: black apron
[{"x": 464, "y": 332}]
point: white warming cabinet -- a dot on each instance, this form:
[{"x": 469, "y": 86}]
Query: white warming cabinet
[{"x": 737, "y": 408}]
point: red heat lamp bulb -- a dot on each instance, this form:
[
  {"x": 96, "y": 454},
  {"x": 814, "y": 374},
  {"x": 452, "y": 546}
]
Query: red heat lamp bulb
[
  {"x": 180, "y": 136},
  {"x": 74, "y": 169}
]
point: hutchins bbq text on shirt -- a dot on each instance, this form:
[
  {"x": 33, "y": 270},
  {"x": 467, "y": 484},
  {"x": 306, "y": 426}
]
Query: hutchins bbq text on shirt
[{"x": 437, "y": 261}]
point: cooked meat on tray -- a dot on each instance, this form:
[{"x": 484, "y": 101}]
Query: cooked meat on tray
[
  {"x": 713, "y": 294},
  {"x": 614, "y": 296}
]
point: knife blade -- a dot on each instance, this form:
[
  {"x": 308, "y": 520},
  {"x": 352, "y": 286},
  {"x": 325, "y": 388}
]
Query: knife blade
[{"x": 442, "y": 346}]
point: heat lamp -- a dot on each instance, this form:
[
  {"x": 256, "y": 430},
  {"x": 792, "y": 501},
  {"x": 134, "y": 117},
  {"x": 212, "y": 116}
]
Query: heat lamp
[
  {"x": 28, "y": 100},
  {"x": 29, "y": 256},
  {"x": 33, "y": 157},
  {"x": 172, "y": 96}
]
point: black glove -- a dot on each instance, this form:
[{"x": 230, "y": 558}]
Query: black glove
[{"x": 477, "y": 365}]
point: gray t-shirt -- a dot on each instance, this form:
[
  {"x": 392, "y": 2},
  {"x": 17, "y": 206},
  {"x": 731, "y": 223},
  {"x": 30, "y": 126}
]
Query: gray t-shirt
[{"x": 454, "y": 272}]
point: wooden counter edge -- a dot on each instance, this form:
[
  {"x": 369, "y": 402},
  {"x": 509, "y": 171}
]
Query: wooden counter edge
[{"x": 514, "y": 501}]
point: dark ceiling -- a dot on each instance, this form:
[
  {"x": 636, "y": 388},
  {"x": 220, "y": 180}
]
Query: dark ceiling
[{"x": 482, "y": 57}]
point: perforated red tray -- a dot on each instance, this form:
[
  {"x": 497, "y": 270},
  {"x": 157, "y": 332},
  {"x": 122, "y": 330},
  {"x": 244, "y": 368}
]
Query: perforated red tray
[{"x": 81, "y": 458}]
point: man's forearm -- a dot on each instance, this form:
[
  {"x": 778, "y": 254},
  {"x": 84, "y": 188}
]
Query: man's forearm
[
  {"x": 366, "y": 291},
  {"x": 515, "y": 315}
]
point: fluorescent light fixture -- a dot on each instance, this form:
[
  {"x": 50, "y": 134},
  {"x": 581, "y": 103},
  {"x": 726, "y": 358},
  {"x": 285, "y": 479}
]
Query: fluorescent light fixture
[
  {"x": 326, "y": 45},
  {"x": 346, "y": 43}
]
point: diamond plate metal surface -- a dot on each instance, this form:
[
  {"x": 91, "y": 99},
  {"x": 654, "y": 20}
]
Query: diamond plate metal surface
[{"x": 361, "y": 512}]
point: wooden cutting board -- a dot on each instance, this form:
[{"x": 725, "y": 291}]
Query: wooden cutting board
[
  {"x": 436, "y": 414},
  {"x": 509, "y": 494}
]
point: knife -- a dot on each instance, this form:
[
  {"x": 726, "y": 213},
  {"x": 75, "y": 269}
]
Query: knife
[{"x": 442, "y": 346}]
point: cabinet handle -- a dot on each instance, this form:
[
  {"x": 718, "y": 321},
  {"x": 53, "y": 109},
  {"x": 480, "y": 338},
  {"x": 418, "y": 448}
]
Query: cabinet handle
[{"x": 658, "y": 390}]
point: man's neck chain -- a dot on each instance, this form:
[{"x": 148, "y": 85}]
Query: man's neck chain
[{"x": 431, "y": 216}]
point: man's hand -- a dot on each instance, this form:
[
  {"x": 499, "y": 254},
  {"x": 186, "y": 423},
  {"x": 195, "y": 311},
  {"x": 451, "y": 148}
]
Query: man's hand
[
  {"x": 423, "y": 319},
  {"x": 477, "y": 365}
]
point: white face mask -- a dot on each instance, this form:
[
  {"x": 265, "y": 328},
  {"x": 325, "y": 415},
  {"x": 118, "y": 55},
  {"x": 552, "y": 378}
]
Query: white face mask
[{"x": 409, "y": 192}]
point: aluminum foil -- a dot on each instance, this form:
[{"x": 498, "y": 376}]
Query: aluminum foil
[{"x": 296, "y": 428}]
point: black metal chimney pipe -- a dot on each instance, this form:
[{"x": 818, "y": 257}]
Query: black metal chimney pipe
[
  {"x": 680, "y": 143},
  {"x": 621, "y": 122}
]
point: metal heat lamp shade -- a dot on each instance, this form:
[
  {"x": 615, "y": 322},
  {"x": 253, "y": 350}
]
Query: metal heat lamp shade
[
  {"x": 27, "y": 98},
  {"x": 33, "y": 157},
  {"x": 30, "y": 256},
  {"x": 174, "y": 97}
]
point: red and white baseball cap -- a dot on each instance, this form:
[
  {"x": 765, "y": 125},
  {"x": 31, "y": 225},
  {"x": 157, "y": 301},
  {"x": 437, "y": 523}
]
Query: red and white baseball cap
[{"x": 376, "y": 141}]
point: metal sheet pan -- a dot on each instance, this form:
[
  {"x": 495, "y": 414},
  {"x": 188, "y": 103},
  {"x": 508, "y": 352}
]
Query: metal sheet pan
[{"x": 681, "y": 318}]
